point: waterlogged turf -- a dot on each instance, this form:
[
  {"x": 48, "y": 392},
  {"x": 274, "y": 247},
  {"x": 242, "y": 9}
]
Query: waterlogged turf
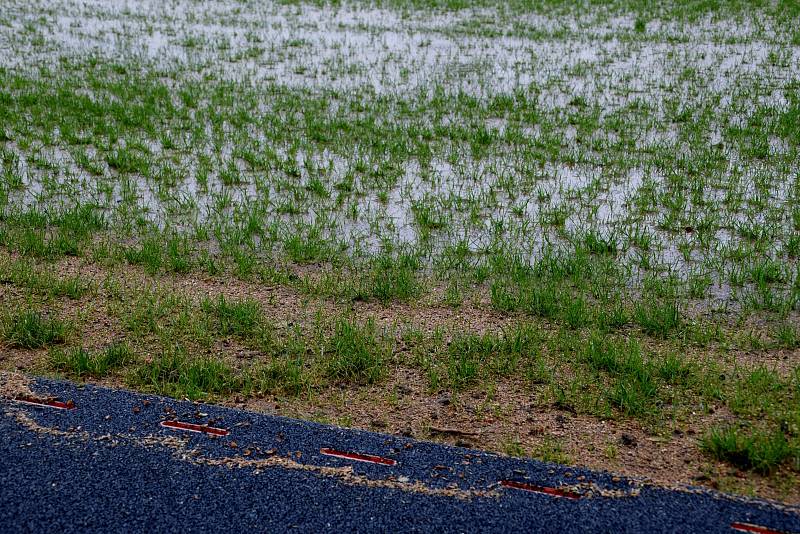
[{"x": 517, "y": 213}]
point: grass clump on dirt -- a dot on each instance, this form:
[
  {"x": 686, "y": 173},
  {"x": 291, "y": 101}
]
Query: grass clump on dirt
[
  {"x": 471, "y": 357},
  {"x": 354, "y": 353},
  {"x": 390, "y": 278},
  {"x": 80, "y": 362},
  {"x": 760, "y": 451},
  {"x": 634, "y": 387},
  {"x": 281, "y": 376},
  {"x": 240, "y": 318},
  {"x": 33, "y": 330},
  {"x": 659, "y": 319},
  {"x": 177, "y": 374},
  {"x": 24, "y": 273}
]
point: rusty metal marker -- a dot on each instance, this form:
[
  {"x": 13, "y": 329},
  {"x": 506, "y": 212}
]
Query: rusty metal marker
[
  {"x": 369, "y": 458},
  {"x": 191, "y": 427},
  {"x": 45, "y": 403},
  {"x": 754, "y": 529},
  {"x": 545, "y": 490}
]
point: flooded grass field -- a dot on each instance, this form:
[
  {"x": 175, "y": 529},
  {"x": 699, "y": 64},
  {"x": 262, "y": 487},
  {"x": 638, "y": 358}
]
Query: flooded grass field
[{"x": 564, "y": 230}]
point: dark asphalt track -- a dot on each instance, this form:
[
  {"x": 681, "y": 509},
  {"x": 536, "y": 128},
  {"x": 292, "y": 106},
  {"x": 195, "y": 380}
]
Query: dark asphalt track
[{"x": 109, "y": 466}]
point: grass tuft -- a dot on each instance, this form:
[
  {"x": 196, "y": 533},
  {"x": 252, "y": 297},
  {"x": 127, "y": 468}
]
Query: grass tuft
[
  {"x": 280, "y": 376},
  {"x": 174, "y": 373},
  {"x": 354, "y": 354},
  {"x": 32, "y": 330},
  {"x": 391, "y": 278},
  {"x": 659, "y": 318},
  {"x": 240, "y": 318},
  {"x": 80, "y": 362},
  {"x": 758, "y": 451}
]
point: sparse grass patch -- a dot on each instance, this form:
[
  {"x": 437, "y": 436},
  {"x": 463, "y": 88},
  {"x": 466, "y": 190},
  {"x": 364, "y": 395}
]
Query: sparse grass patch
[
  {"x": 658, "y": 318},
  {"x": 471, "y": 357},
  {"x": 514, "y": 448},
  {"x": 760, "y": 451},
  {"x": 23, "y": 273},
  {"x": 550, "y": 450},
  {"x": 175, "y": 373},
  {"x": 33, "y": 330},
  {"x": 635, "y": 380},
  {"x": 147, "y": 254},
  {"x": 787, "y": 336},
  {"x": 354, "y": 353},
  {"x": 80, "y": 362},
  {"x": 758, "y": 393},
  {"x": 241, "y": 318},
  {"x": 73, "y": 287},
  {"x": 282, "y": 375},
  {"x": 391, "y": 278}
]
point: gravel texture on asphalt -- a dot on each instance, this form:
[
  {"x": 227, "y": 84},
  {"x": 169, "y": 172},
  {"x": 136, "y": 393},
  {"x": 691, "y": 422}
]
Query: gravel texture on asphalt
[{"x": 108, "y": 465}]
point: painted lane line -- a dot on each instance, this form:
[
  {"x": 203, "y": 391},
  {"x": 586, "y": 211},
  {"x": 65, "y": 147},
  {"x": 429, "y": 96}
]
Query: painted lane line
[
  {"x": 45, "y": 403},
  {"x": 544, "y": 490},
  {"x": 754, "y": 529},
  {"x": 191, "y": 427},
  {"x": 369, "y": 458}
]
